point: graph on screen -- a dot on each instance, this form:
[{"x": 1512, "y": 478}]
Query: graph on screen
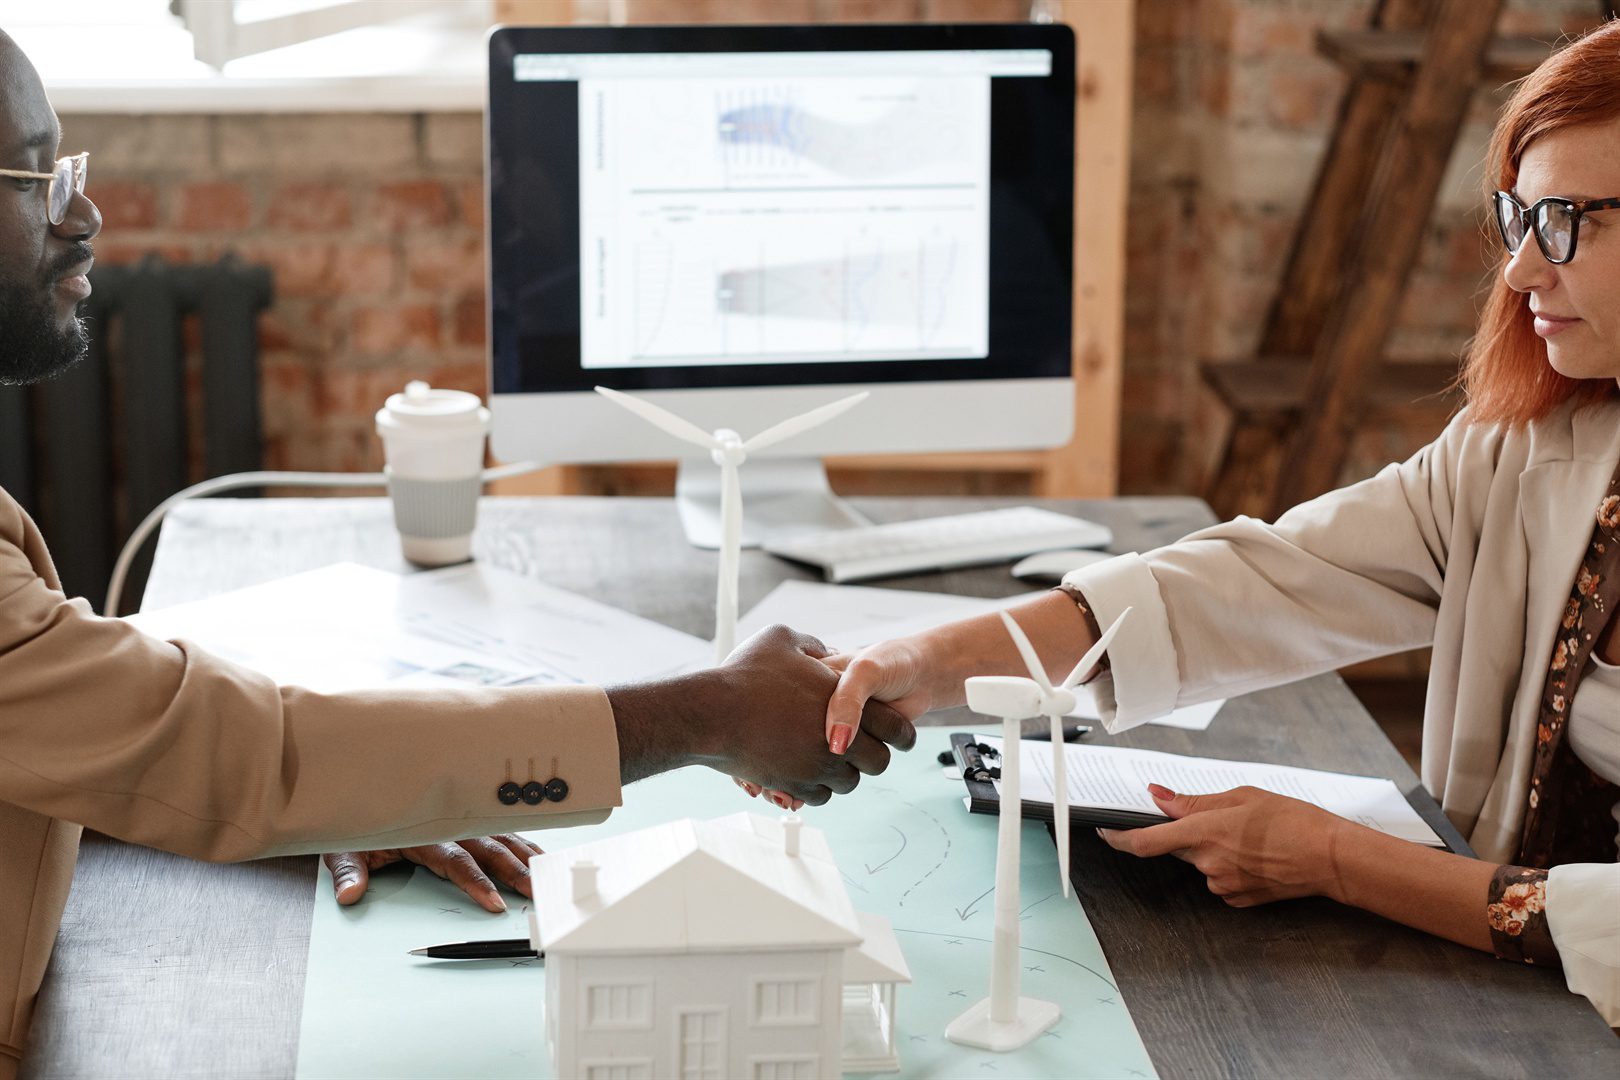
[{"x": 748, "y": 220}]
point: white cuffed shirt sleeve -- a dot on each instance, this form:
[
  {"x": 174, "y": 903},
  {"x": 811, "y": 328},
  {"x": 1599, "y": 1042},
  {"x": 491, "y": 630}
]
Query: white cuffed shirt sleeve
[
  {"x": 1583, "y": 915},
  {"x": 1141, "y": 683}
]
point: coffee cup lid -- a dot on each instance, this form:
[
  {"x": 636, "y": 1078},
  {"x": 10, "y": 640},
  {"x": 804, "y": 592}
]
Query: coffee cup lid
[{"x": 422, "y": 406}]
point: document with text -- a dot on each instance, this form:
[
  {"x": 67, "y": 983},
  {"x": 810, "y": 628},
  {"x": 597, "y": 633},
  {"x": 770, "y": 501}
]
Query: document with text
[{"x": 1116, "y": 778}]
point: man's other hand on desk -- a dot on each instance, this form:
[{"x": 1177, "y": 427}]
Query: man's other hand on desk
[
  {"x": 473, "y": 865},
  {"x": 760, "y": 717}
]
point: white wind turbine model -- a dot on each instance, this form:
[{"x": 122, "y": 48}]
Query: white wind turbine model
[
  {"x": 729, "y": 451},
  {"x": 1004, "y": 1020}
]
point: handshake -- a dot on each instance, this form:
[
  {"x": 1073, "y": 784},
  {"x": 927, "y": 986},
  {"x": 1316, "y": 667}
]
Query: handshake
[
  {"x": 762, "y": 717},
  {"x": 770, "y": 716}
]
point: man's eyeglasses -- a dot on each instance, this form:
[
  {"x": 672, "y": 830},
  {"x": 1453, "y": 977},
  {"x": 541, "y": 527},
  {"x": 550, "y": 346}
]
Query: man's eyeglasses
[
  {"x": 67, "y": 180},
  {"x": 1555, "y": 221}
]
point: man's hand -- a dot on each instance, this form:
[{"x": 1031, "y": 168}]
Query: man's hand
[
  {"x": 473, "y": 865},
  {"x": 1253, "y": 846},
  {"x": 759, "y": 717}
]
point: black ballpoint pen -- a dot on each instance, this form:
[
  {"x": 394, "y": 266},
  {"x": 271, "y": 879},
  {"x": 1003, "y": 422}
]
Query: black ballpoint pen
[{"x": 500, "y": 949}]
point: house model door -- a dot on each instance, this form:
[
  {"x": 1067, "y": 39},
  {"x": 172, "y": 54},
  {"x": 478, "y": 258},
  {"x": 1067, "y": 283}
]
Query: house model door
[{"x": 702, "y": 1048}]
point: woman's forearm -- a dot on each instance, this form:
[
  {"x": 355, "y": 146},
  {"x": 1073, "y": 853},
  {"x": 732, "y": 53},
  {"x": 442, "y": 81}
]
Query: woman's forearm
[
  {"x": 1433, "y": 891},
  {"x": 981, "y": 646}
]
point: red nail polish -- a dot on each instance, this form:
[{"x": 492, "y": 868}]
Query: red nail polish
[
  {"x": 1159, "y": 791},
  {"x": 841, "y": 736}
]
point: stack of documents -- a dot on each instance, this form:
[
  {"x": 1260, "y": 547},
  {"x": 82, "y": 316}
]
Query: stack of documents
[{"x": 1115, "y": 778}]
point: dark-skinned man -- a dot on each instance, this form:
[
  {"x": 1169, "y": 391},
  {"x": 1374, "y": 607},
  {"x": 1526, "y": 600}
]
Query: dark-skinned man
[{"x": 161, "y": 744}]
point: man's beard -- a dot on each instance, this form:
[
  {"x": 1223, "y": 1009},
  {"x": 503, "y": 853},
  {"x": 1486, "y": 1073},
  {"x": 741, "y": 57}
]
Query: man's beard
[{"x": 33, "y": 345}]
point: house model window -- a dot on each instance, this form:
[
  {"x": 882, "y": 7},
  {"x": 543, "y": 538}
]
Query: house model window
[{"x": 712, "y": 949}]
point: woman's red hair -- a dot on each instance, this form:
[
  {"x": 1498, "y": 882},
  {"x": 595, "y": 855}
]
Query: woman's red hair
[{"x": 1506, "y": 375}]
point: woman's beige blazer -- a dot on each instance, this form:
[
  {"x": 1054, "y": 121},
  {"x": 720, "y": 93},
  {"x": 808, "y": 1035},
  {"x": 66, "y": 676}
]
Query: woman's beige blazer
[
  {"x": 164, "y": 745},
  {"x": 1470, "y": 546}
]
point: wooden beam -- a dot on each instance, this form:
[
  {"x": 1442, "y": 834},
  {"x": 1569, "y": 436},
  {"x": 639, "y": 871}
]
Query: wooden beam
[
  {"x": 1088, "y": 467},
  {"x": 1326, "y": 233},
  {"x": 1272, "y": 391},
  {"x": 1393, "y": 56},
  {"x": 1402, "y": 197}
]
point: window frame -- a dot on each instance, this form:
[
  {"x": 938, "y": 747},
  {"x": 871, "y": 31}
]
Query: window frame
[
  {"x": 756, "y": 1013},
  {"x": 589, "y": 1021},
  {"x": 219, "y": 34}
]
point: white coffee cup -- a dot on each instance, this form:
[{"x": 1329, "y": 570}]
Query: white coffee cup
[{"x": 434, "y": 444}]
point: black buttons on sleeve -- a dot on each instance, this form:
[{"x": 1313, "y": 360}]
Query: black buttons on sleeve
[{"x": 534, "y": 792}]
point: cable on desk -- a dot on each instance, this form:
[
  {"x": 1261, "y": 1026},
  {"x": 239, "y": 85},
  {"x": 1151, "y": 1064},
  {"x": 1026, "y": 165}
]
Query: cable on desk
[{"x": 132, "y": 546}]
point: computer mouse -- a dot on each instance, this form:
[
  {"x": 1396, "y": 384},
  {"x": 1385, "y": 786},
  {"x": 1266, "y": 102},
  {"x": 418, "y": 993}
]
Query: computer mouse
[{"x": 1052, "y": 565}]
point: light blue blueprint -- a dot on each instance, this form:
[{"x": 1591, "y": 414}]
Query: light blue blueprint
[{"x": 909, "y": 850}]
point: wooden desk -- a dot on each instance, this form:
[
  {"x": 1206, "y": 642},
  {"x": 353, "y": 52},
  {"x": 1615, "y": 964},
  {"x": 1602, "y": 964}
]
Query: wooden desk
[{"x": 167, "y": 967}]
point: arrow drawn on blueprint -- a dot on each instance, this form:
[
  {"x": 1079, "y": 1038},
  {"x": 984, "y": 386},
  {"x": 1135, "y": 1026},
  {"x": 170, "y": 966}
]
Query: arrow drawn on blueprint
[
  {"x": 946, "y": 854},
  {"x": 966, "y": 913},
  {"x": 870, "y": 869}
]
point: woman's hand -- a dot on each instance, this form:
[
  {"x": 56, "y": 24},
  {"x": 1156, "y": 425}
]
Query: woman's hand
[
  {"x": 893, "y": 672},
  {"x": 473, "y": 865},
  {"x": 1253, "y": 846},
  {"x": 890, "y": 672}
]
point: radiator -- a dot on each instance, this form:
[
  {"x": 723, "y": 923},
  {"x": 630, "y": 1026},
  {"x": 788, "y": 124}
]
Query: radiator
[{"x": 89, "y": 453}]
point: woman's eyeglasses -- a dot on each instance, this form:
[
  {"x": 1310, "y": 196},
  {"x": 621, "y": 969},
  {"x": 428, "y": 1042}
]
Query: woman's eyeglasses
[
  {"x": 1555, "y": 221},
  {"x": 67, "y": 180}
]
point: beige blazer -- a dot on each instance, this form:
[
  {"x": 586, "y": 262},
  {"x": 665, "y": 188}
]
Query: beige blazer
[
  {"x": 1470, "y": 546},
  {"x": 161, "y": 744}
]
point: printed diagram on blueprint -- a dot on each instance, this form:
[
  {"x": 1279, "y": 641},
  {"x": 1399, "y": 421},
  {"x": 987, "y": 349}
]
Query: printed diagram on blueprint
[{"x": 791, "y": 220}]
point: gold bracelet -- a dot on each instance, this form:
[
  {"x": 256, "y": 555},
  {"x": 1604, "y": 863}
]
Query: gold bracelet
[{"x": 1073, "y": 593}]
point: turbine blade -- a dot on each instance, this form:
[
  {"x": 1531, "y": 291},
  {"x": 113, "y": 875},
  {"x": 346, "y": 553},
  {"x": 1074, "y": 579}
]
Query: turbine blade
[
  {"x": 1093, "y": 654},
  {"x": 1060, "y": 800},
  {"x": 1031, "y": 660},
  {"x": 803, "y": 422},
  {"x": 660, "y": 417}
]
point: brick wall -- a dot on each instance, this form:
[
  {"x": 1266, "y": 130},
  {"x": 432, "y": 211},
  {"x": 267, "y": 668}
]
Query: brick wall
[{"x": 372, "y": 223}]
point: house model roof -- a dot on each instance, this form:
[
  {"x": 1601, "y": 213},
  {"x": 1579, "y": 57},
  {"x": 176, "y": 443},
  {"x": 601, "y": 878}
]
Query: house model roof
[{"x": 690, "y": 885}]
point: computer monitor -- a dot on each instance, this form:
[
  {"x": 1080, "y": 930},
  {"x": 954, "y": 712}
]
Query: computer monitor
[{"x": 742, "y": 223}]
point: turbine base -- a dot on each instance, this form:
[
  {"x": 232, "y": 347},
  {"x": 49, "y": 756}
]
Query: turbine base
[{"x": 975, "y": 1028}]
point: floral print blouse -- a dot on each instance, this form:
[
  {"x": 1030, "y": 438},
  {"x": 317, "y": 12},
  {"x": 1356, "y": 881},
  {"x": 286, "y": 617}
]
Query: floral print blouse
[{"x": 1569, "y": 817}]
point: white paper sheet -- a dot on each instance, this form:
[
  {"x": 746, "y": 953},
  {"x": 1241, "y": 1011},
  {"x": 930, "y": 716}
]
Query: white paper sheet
[
  {"x": 850, "y": 617},
  {"x": 350, "y": 627},
  {"x": 1116, "y": 778}
]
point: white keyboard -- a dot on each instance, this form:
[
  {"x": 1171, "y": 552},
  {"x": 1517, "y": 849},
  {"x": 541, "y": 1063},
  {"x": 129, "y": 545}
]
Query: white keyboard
[{"x": 903, "y": 547}]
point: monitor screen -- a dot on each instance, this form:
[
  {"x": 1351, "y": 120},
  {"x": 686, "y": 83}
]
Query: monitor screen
[{"x": 704, "y": 207}]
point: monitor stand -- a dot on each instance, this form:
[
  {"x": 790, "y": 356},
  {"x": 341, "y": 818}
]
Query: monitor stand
[{"x": 781, "y": 496}]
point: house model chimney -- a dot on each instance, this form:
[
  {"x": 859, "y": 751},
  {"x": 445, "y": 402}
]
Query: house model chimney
[
  {"x": 584, "y": 880},
  {"x": 790, "y": 835}
]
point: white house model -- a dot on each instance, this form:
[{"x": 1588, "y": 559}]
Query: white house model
[{"x": 712, "y": 949}]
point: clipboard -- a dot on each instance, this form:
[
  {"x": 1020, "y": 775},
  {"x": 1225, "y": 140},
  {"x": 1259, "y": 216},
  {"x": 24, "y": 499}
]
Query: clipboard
[{"x": 983, "y": 798}]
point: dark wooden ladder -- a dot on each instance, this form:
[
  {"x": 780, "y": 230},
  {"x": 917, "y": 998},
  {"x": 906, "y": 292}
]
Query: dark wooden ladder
[{"x": 1319, "y": 370}]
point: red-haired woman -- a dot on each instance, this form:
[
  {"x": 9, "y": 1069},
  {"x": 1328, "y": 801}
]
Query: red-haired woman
[{"x": 1498, "y": 544}]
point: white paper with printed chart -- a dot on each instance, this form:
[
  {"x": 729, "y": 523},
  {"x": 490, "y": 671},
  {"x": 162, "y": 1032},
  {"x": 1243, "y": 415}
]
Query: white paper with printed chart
[
  {"x": 907, "y": 851},
  {"x": 350, "y": 627}
]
